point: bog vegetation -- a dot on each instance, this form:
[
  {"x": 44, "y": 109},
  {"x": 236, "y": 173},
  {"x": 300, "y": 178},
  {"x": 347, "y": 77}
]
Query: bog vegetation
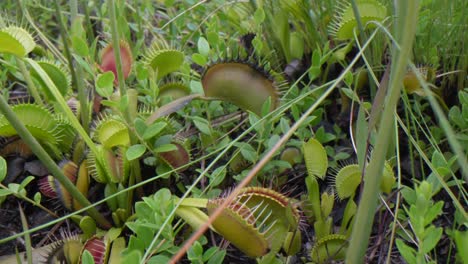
[{"x": 284, "y": 131}]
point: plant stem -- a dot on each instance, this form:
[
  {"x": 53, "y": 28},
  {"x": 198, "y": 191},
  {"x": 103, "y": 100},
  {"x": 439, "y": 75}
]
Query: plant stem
[
  {"x": 89, "y": 24},
  {"x": 27, "y": 199},
  {"x": 75, "y": 70},
  {"x": 406, "y": 26},
  {"x": 27, "y": 237},
  {"x": 116, "y": 44},
  {"x": 48, "y": 162},
  {"x": 47, "y": 42},
  {"x": 362, "y": 38},
  {"x": 82, "y": 98},
  {"x": 130, "y": 115},
  {"x": 30, "y": 84},
  {"x": 73, "y": 9},
  {"x": 397, "y": 201}
]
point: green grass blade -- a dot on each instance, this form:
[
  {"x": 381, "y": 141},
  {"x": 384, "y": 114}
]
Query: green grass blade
[{"x": 406, "y": 26}]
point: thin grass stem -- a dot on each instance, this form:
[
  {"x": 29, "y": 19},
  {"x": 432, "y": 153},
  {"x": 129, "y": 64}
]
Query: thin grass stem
[
  {"x": 27, "y": 237},
  {"x": 116, "y": 44},
  {"x": 75, "y": 70},
  {"x": 32, "y": 89},
  {"x": 406, "y": 27}
]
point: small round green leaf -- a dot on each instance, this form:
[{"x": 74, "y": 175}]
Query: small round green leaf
[
  {"x": 154, "y": 130},
  {"x": 80, "y": 46},
  {"x": 259, "y": 16},
  {"x": 88, "y": 226},
  {"x": 37, "y": 198},
  {"x": 199, "y": 59},
  {"x": 315, "y": 158},
  {"x": 3, "y": 168},
  {"x": 105, "y": 84},
  {"x": 135, "y": 151},
  {"x": 203, "y": 46},
  {"x": 87, "y": 258},
  {"x": 202, "y": 124},
  {"x": 165, "y": 148},
  {"x": 213, "y": 37}
]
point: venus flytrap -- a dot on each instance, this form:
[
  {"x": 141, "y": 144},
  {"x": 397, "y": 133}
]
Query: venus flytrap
[
  {"x": 230, "y": 81},
  {"x": 329, "y": 245},
  {"x": 255, "y": 223},
  {"x": 18, "y": 42},
  {"x": 38, "y": 150},
  {"x": 301, "y": 119},
  {"x": 346, "y": 21},
  {"x": 134, "y": 135},
  {"x": 163, "y": 59}
]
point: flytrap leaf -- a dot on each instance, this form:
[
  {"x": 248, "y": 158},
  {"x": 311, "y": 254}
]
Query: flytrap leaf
[
  {"x": 98, "y": 248},
  {"x": 235, "y": 225},
  {"x": 15, "y": 146},
  {"x": 347, "y": 180},
  {"x": 59, "y": 76},
  {"x": 65, "y": 251},
  {"x": 328, "y": 248},
  {"x": 164, "y": 61},
  {"x": 291, "y": 155},
  {"x": 106, "y": 166},
  {"x": 178, "y": 157},
  {"x": 257, "y": 221},
  {"x": 173, "y": 90},
  {"x": 111, "y": 132},
  {"x": 388, "y": 178},
  {"x": 170, "y": 108},
  {"x": 40, "y": 122},
  {"x": 16, "y": 41},
  {"x": 240, "y": 84},
  {"x": 411, "y": 82},
  {"x": 49, "y": 186},
  {"x": 108, "y": 62},
  {"x": 36, "y": 118},
  {"x": 344, "y": 22},
  {"x": 315, "y": 158}
]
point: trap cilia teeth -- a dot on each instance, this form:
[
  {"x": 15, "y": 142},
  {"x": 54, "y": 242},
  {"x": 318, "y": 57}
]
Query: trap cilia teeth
[
  {"x": 16, "y": 40},
  {"x": 344, "y": 22},
  {"x": 163, "y": 59},
  {"x": 59, "y": 75},
  {"x": 52, "y": 131},
  {"x": 103, "y": 248},
  {"x": 172, "y": 89},
  {"x": 258, "y": 221},
  {"x": 245, "y": 82},
  {"x": 109, "y": 163}
]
